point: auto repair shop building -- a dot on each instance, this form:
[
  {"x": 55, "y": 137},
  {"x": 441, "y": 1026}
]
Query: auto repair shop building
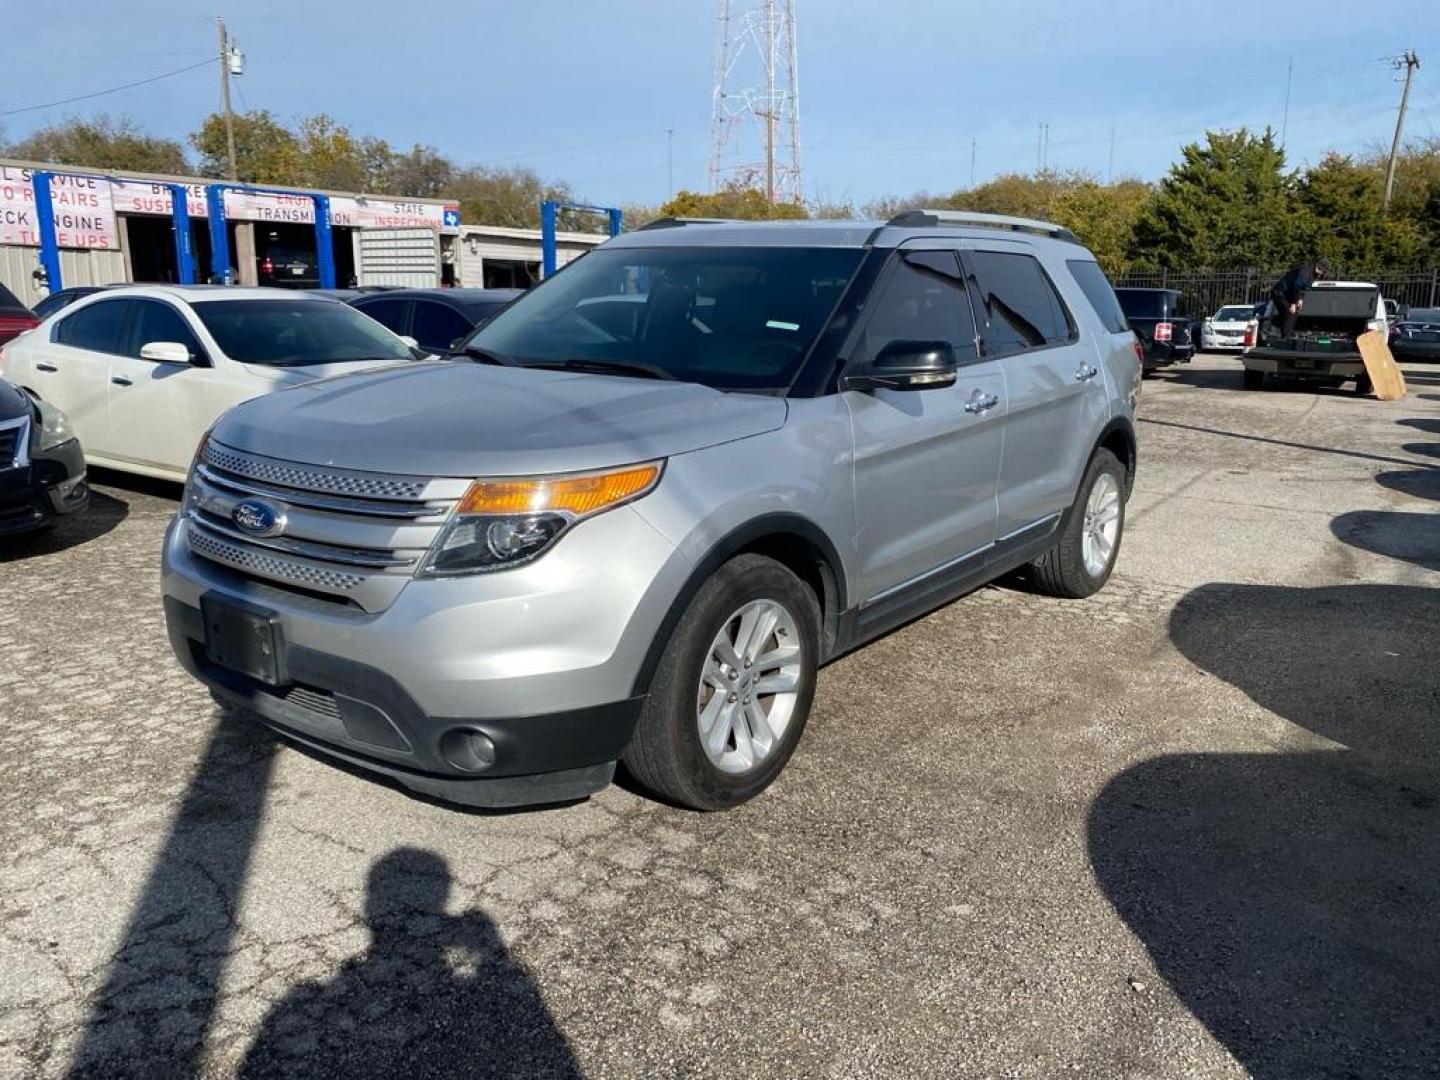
[{"x": 109, "y": 227}]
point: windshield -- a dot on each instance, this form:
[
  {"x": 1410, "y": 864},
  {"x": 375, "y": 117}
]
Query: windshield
[
  {"x": 297, "y": 333},
  {"x": 731, "y": 318},
  {"x": 1237, "y": 313},
  {"x": 1148, "y": 303}
]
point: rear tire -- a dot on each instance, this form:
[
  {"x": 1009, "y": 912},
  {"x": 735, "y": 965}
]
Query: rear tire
[
  {"x": 1254, "y": 380},
  {"x": 1069, "y": 569},
  {"x": 691, "y": 689},
  {"x": 1364, "y": 386}
]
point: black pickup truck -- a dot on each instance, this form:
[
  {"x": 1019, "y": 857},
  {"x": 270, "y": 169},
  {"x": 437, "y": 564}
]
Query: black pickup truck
[
  {"x": 1167, "y": 335},
  {"x": 1322, "y": 349}
]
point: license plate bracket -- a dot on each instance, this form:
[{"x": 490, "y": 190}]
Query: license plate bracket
[
  {"x": 1304, "y": 362},
  {"x": 243, "y": 637}
]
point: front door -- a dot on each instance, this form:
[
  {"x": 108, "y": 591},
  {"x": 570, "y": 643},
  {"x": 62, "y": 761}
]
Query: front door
[
  {"x": 926, "y": 461},
  {"x": 1057, "y": 397},
  {"x": 159, "y": 411}
]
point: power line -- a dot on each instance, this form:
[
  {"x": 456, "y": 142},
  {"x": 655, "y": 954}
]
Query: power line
[{"x": 112, "y": 90}]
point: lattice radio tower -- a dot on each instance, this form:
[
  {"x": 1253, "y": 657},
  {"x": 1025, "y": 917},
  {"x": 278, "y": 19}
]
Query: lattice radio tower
[{"x": 756, "y": 79}]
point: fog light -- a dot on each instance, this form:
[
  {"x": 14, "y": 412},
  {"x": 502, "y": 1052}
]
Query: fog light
[
  {"x": 468, "y": 749},
  {"x": 69, "y": 493}
]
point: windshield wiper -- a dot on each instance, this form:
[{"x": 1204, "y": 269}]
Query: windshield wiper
[
  {"x": 483, "y": 356},
  {"x": 606, "y": 367}
]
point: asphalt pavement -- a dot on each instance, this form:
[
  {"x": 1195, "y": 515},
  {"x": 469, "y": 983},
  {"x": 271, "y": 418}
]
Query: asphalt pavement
[{"x": 1189, "y": 827}]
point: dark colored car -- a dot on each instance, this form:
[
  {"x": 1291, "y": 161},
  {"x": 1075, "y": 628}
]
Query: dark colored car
[
  {"x": 1417, "y": 336},
  {"x": 15, "y": 317},
  {"x": 42, "y": 468},
  {"x": 288, "y": 268},
  {"x": 435, "y": 318},
  {"x": 64, "y": 298},
  {"x": 1165, "y": 332}
]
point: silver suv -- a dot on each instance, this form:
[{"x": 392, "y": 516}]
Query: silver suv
[{"x": 633, "y": 514}]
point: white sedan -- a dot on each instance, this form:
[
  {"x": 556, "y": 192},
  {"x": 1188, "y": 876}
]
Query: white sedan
[
  {"x": 143, "y": 372},
  {"x": 1226, "y": 328}
]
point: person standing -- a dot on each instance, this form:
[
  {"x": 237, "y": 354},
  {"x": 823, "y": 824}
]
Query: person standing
[{"x": 1288, "y": 294}]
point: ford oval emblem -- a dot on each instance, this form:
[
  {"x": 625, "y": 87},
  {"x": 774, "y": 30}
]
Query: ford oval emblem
[{"x": 257, "y": 518}]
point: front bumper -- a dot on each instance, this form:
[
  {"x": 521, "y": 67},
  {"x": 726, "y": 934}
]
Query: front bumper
[
  {"x": 543, "y": 661},
  {"x": 50, "y": 485}
]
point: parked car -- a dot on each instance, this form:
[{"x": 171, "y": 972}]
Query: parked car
[
  {"x": 1417, "y": 336},
  {"x": 1225, "y": 330},
  {"x": 1165, "y": 332},
  {"x": 1322, "y": 350},
  {"x": 491, "y": 580},
  {"x": 142, "y": 372},
  {"x": 15, "y": 317},
  {"x": 1395, "y": 311},
  {"x": 42, "y": 469},
  {"x": 435, "y": 318},
  {"x": 286, "y": 267},
  {"x": 64, "y": 298}
]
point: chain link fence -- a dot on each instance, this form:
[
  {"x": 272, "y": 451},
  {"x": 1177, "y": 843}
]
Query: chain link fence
[{"x": 1206, "y": 291}]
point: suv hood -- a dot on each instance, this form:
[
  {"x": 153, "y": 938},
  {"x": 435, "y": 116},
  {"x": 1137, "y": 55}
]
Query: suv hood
[{"x": 460, "y": 419}]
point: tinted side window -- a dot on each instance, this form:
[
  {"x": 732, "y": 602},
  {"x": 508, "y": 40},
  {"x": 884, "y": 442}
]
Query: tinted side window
[
  {"x": 436, "y": 325},
  {"x": 923, "y": 300},
  {"x": 388, "y": 313},
  {"x": 1097, "y": 289},
  {"x": 1018, "y": 306},
  {"x": 95, "y": 327},
  {"x": 158, "y": 321}
]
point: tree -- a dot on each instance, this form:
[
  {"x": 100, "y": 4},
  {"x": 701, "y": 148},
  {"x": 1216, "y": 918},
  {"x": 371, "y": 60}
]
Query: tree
[
  {"x": 1345, "y": 223},
  {"x": 102, "y": 143},
  {"x": 419, "y": 172},
  {"x": 509, "y": 197},
  {"x": 1227, "y": 203},
  {"x": 734, "y": 201},
  {"x": 333, "y": 159},
  {"x": 1103, "y": 216},
  {"x": 266, "y": 152}
]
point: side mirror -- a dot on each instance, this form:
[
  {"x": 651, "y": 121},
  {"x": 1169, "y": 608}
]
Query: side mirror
[
  {"x": 908, "y": 365},
  {"x": 408, "y": 340},
  {"x": 166, "y": 352}
]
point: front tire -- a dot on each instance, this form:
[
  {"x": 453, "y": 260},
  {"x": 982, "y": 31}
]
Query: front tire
[
  {"x": 1084, "y": 554},
  {"x": 731, "y": 695}
]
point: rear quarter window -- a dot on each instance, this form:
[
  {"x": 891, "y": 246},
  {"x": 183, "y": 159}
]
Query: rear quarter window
[{"x": 1098, "y": 290}]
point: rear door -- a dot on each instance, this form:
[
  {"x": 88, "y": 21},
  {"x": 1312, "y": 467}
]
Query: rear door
[
  {"x": 159, "y": 411},
  {"x": 393, "y": 313},
  {"x": 1057, "y": 396},
  {"x": 72, "y": 370},
  {"x": 926, "y": 461}
]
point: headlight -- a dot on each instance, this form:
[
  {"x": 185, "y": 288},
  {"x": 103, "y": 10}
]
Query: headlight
[
  {"x": 54, "y": 426},
  {"x": 505, "y": 522}
]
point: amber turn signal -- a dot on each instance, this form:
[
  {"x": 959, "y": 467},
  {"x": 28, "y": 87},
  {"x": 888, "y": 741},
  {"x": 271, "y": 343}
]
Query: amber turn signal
[{"x": 578, "y": 495}]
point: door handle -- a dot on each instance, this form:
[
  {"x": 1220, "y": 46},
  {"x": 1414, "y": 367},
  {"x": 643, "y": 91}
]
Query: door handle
[
  {"x": 1087, "y": 371},
  {"x": 120, "y": 380},
  {"x": 46, "y": 367},
  {"x": 979, "y": 402}
]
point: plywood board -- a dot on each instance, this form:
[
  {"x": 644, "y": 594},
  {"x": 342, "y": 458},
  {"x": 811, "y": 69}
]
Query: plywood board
[{"x": 1385, "y": 374}]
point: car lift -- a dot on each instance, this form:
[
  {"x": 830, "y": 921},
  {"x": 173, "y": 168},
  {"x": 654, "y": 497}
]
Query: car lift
[
  {"x": 549, "y": 215},
  {"x": 220, "y": 238}
]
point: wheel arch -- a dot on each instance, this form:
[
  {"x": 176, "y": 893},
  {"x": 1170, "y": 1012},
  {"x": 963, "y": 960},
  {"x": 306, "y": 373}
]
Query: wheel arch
[
  {"x": 1118, "y": 436},
  {"x": 792, "y": 540}
]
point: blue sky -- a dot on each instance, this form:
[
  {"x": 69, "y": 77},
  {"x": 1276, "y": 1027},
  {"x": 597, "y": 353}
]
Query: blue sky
[{"x": 892, "y": 94}]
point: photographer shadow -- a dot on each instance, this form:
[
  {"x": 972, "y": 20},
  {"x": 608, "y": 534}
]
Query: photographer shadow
[
  {"x": 1291, "y": 899},
  {"x": 434, "y": 995}
]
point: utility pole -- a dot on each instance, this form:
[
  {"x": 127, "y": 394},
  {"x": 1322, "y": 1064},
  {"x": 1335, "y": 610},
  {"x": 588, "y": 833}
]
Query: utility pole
[
  {"x": 670, "y": 162},
  {"x": 1285, "y": 120},
  {"x": 770, "y": 103},
  {"x": 1110, "y": 170},
  {"x": 230, "y": 172},
  {"x": 1411, "y": 62},
  {"x": 972, "y": 164}
]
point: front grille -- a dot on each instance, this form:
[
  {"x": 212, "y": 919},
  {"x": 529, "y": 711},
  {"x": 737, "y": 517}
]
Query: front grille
[{"x": 354, "y": 536}]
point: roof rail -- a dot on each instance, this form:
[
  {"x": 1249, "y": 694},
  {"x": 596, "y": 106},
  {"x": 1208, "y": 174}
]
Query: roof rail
[
  {"x": 916, "y": 219},
  {"x": 676, "y": 222}
]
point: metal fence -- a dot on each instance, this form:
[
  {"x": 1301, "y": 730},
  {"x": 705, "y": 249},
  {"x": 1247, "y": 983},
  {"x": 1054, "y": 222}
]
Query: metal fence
[{"x": 1208, "y": 290}]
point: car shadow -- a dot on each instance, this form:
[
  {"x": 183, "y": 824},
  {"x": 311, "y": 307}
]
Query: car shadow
[
  {"x": 1426, "y": 424},
  {"x": 435, "y": 994},
  {"x": 1291, "y": 898},
  {"x": 102, "y": 515},
  {"x": 1410, "y": 536}
]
